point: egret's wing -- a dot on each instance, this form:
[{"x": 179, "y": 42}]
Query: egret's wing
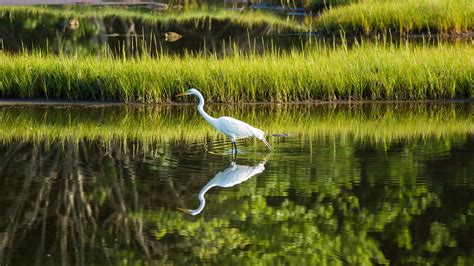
[{"x": 233, "y": 127}]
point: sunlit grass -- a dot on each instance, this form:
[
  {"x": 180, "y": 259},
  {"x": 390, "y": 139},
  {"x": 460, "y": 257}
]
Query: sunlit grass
[
  {"x": 376, "y": 123},
  {"x": 198, "y": 17},
  {"x": 399, "y": 16},
  {"x": 365, "y": 72},
  {"x": 349, "y": 16}
]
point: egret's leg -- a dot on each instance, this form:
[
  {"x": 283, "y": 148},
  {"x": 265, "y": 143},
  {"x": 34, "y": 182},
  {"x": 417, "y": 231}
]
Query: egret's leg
[{"x": 234, "y": 146}]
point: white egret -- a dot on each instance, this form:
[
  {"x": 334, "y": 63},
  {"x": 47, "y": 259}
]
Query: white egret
[
  {"x": 233, "y": 128},
  {"x": 229, "y": 177}
]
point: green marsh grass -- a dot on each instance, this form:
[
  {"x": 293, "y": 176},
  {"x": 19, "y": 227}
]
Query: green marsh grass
[
  {"x": 197, "y": 17},
  {"x": 326, "y": 4},
  {"x": 371, "y": 123},
  {"x": 398, "y": 16},
  {"x": 364, "y": 72}
]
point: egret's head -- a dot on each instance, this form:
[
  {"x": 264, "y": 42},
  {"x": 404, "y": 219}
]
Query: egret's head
[{"x": 191, "y": 91}]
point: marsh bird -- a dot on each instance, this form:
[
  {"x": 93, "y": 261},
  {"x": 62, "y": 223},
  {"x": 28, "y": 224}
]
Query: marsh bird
[
  {"x": 233, "y": 128},
  {"x": 229, "y": 177}
]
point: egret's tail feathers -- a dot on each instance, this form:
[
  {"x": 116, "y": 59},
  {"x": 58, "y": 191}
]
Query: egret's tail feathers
[{"x": 267, "y": 144}]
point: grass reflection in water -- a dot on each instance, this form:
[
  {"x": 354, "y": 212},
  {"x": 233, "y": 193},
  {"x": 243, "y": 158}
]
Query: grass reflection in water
[{"x": 379, "y": 123}]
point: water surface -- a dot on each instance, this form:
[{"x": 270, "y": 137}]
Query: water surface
[{"x": 330, "y": 194}]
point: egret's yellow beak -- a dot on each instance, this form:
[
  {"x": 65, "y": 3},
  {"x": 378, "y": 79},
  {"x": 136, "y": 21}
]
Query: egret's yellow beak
[
  {"x": 182, "y": 209},
  {"x": 182, "y": 94}
]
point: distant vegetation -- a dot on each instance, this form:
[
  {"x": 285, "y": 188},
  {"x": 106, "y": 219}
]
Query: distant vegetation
[
  {"x": 325, "y": 71},
  {"x": 365, "y": 17},
  {"x": 197, "y": 16},
  {"x": 364, "y": 72},
  {"x": 320, "y": 5},
  {"x": 399, "y": 17}
]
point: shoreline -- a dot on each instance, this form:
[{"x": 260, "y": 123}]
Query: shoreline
[{"x": 88, "y": 103}]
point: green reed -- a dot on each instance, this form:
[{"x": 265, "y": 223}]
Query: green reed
[
  {"x": 403, "y": 17},
  {"x": 364, "y": 72},
  {"x": 321, "y": 5},
  {"x": 375, "y": 123}
]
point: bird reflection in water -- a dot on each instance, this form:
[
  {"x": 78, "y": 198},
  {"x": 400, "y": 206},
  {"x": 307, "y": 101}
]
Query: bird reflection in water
[{"x": 229, "y": 177}]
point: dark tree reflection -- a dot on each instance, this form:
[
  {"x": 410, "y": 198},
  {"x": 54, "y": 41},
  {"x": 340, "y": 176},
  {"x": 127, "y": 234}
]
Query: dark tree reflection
[{"x": 91, "y": 202}]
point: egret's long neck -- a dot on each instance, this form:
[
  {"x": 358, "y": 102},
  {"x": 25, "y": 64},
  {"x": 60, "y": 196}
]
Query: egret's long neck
[
  {"x": 208, "y": 118},
  {"x": 202, "y": 200}
]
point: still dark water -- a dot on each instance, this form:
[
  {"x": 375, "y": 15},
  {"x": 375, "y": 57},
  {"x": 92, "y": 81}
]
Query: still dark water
[{"x": 330, "y": 199}]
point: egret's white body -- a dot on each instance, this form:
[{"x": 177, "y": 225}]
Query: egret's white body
[
  {"x": 233, "y": 128},
  {"x": 229, "y": 177}
]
